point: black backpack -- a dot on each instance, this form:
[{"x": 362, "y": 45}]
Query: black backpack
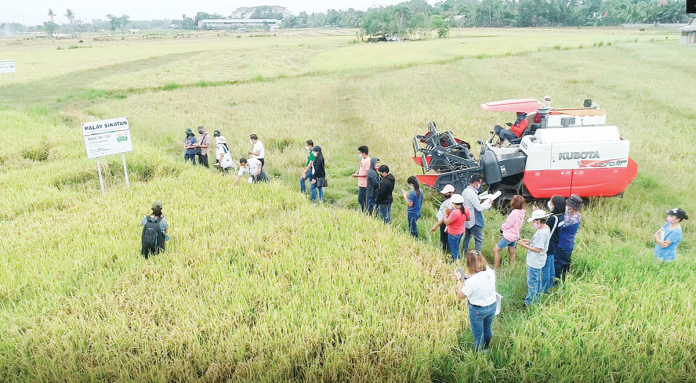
[{"x": 153, "y": 236}]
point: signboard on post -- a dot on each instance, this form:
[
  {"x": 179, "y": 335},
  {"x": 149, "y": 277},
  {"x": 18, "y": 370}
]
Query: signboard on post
[
  {"x": 105, "y": 138},
  {"x": 7, "y": 66}
]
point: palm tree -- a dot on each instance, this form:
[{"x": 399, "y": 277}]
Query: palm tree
[
  {"x": 70, "y": 15},
  {"x": 50, "y": 13}
]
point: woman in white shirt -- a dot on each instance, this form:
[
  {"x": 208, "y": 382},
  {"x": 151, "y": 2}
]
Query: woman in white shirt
[{"x": 478, "y": 287}]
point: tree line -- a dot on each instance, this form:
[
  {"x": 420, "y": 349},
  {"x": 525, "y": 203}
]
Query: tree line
[{"x": 417, "y": 18}]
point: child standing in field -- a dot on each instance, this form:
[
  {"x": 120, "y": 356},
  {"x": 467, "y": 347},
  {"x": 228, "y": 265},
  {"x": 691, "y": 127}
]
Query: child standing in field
[
  {"x": 566, "y": 237},
  {"x": 536, "y": 255},
  {"x": 455, "y": 222},
  {"x": 510, "y": 230},
  {"x": 414, "y": 200},
  {"x": 669, "y": 235}
]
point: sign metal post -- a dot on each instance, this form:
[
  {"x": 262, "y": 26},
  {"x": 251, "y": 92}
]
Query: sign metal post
[{"x": 105, "y": 138}]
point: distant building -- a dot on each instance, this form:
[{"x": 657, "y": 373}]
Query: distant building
[
  {"x": 688, "y": 33},
  {"x": 237, "y": 23}
]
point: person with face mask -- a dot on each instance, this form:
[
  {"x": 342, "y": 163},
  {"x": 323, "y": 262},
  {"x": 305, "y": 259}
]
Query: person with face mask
[
  {"x": 223, "y": 158},
  {"x": 557, "y": 207},
  {"x": 669, "y": 235},
  {"x": 474, "y": 228},
  {"x": 189, "y": 146},
  {"x": 536, "y": 254},
  {"x": 203, "y": 146},
  {"x": 307, "y": 172},
  {"x": 255, "y": 169},
  {"x": 445, "y": 208},
  {"x": 414, "y": 201},
  {"x": 372, "y": 185},
  {"x": 566, "y": 238}
]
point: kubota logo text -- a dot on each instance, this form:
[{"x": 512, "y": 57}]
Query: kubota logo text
[{"x": 578, "y": 155}]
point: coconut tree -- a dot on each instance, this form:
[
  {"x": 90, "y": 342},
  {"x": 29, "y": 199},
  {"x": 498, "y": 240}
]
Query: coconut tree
[
  {"x": 70, "y": 15},
  {"x": 50, "y": 13}
]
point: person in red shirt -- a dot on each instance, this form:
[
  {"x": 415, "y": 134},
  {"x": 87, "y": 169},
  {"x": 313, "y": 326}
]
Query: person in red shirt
[
  {"x": 516, "y": 130},
  {"x": 455, "y": 222}
]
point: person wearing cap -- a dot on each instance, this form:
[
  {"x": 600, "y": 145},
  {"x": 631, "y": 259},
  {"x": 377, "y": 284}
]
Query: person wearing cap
[
  {"x": 566, "y": 237},
  {"x": 361, "y": 175},
  {"x": 536, "y": 254},
  {"x": 258, "y": 150},
  {"x": 445, "y": 208},
  {"x": 547, "y": 102},
  {"x": 318, "y": 175},
  {"x": 474, "y": 227},
  {"x": 307, "y": 172},
  {"x": 223, "y": 158},
  {"x": 669, "y": 235},
  {"x": 516, "y": 130},
  {"x": 255, "y": 169},
  {"x": 456, "y": 224},
  {"x": 204, "y": 146},
  {"x": 372, "y": 185},
  {"x": 155, "y": 218},
  {"x": 384, "y": 193},
  {"x": 189, "y": 146}
]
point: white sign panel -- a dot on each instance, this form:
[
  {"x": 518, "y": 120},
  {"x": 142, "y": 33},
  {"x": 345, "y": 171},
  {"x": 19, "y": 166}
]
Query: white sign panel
[
  {"x": 107, "y": 137},
  {"x": 7, "y": 66}
]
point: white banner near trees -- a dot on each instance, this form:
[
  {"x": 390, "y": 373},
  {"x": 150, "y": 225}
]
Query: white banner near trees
[
  {"x": 7, "y": 66},
  {"x": 105, "y": 138}
]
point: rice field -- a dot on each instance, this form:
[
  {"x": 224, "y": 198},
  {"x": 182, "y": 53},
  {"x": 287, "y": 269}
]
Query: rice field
[{"x": 259, "y": 284}]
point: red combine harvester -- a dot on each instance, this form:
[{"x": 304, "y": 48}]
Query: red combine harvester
[{"x": 567, "y": 151}]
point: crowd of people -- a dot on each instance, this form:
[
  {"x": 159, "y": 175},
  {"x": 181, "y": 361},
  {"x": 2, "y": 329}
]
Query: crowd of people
[{"x": 459, "y": 219}]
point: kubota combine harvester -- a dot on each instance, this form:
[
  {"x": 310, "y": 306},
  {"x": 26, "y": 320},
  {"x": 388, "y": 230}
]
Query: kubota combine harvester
[{"x": 562, "y": 152}]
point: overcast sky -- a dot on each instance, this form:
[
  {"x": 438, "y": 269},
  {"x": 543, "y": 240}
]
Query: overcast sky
[{"x": 34, "y": 12}]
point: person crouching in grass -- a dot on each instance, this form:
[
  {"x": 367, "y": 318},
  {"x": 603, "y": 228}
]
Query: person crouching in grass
[
  {"x": 536, "y": 255},
  {"x": 478, "y": 287}
]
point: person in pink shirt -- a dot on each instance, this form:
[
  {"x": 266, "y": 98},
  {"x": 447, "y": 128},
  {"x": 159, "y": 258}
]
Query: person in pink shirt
[
  {"x": 361, "y": 175},
  {"x": 510, "y": 230},
  {"x": 455, "y": 222}
]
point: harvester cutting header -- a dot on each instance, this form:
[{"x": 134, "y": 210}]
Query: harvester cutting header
[{"x": 560, "y": 152}]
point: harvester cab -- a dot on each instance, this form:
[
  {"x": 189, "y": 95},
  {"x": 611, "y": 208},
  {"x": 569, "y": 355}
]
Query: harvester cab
[{"x": 565, "y": 151}]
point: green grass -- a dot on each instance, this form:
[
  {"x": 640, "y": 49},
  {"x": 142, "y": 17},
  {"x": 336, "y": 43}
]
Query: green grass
[{"x": 260, "y": 284}]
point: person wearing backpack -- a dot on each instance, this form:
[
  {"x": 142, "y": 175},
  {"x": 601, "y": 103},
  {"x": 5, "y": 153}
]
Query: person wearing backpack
[
  {"x": 154, "y": 231},
  {"x": 557, "y": 205}
]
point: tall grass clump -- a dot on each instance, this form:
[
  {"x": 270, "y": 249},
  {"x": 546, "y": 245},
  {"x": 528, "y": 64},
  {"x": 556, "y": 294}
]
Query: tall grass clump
[{"x": 171, "y": 86}]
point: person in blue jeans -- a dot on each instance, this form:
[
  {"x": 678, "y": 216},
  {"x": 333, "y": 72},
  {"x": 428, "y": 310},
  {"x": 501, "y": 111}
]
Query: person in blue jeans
[
  {"x": 384, "y": 193},
  {"x": 557, "y": 206},
  {"x": 474, "y": 227},
  {"x": 414, "y": 201},
  {"x": 307, "y": 172},
  {"x": 478, "y": 287},
  {"x": 669, "y": 235},
  {"x": 318, "y": 175},
  {"x": 536, "y": 254},
  {"x": 566, "y": 238}
]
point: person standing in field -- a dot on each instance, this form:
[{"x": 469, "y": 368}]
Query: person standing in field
[
  {"x": 258, "y": 151},
  {"x": 474, "y": 227},
  {"x": 669, "y": 235},
  {"x": 361, "y": 175},
  {"x": 566, "y": 238},
  {"x": 203, "y": 146},
  {"x": 557, "y": 207},
  {"x": 254, "y": 168},
  {"x": 384, "y": 194},
  {"x": 510, "y": 230},
  {"x": 318, "y": 175},
  {"x": 456, "y": 224},
  {"x": 223, "y": 158},
  {"x": 477, "y": 286},
  {"x": 190, "y": 146},
  {"x": 372, "y": 185},
  {"x": 155, "y": 229},
  {"x": 445, "y": 208},
  {"x": 307, "y": 172},
  {"x": 414, "y": 201},
  {"x": 536, "y": 255}
]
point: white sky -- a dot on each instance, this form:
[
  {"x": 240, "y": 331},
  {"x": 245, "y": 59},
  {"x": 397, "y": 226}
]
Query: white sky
[{"x": 34, "y": 12}]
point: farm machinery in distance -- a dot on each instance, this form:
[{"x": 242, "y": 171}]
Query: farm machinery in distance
[{"x": 562, "y": 152}]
